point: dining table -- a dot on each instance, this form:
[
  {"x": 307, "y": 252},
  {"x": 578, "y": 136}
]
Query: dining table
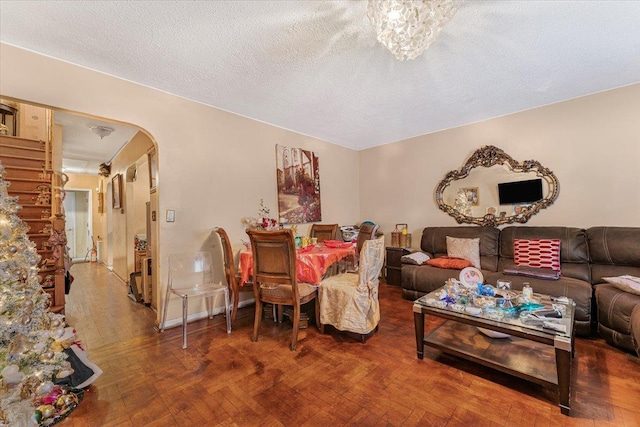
[{"x": 313, "y": 262}]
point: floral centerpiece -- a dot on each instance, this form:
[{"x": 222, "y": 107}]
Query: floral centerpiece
[{"x": 263, "y": 221}]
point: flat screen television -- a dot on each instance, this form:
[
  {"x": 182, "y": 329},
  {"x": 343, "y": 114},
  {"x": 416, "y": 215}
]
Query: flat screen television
[{"x": 529, "y": 191}]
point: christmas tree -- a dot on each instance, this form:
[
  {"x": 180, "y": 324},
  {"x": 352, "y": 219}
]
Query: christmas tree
[{"x": 34, "y": 342}]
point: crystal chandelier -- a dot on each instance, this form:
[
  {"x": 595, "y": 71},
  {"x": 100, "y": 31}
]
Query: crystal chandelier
[{"x": 408, "y": 27}]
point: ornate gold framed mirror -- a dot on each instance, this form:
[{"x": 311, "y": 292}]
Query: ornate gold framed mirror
[{"x": 492, "y": 189}]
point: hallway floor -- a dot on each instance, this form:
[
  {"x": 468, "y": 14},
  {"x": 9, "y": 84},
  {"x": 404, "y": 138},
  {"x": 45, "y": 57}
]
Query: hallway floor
[{"x": 332, "y": 379}]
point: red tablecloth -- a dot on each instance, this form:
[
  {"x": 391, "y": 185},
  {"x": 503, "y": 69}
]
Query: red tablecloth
[{"x": 312, "y": 262}]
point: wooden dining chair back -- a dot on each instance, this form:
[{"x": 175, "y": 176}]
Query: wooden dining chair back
[
  {"x": 324, "y": 232},
  {"x": 349, "y": 302},
  {"x": 191, "y": 275},
  {"x": 367, "y": 232},
  {"x": 233, "y": 278},
  {"x": 275, "y": 276}
]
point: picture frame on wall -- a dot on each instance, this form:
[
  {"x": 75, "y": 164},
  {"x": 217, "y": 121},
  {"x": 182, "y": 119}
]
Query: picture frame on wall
[
  {"x": 472, "y": 195},
  {"x": 100, "y": 202},
  {"x": 116, "y": 187},
  {"x": 298, "y": 180}
]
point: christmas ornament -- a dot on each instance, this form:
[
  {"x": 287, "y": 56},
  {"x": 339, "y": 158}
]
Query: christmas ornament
[
  {"x": 66, "y": 400},
  {"x": 19, "y": 345},
  {"x": 44, "y": 388},
  {"x": 45, "y": 357},
  {"x": 12, "y": 375},
  {"x": 47, "y": 411}
]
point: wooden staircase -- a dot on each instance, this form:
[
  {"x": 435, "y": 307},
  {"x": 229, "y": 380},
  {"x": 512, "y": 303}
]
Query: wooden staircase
[{"x": 28, "y": 168}]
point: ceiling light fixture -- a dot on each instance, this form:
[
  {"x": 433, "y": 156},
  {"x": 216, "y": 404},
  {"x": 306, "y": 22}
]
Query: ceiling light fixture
[
  {"x": 101, "y": 131},
  {"x": 408, "y": 27}
]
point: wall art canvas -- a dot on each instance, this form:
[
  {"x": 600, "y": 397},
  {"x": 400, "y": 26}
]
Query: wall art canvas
[{"x": 298, "y": 175}]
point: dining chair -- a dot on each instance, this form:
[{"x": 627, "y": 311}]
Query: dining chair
[
  {"x": 324, "y": 232},
  {"x": 233, "y": 278},
  {"x": 191, "y": 275},
  {"x": 275, "y": 277},
  {"x": 349, "y": 302},
  {"x": 367, "y": 231}
]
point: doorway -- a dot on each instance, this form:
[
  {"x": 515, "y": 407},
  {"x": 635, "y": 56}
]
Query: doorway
[{"x": 77, "y": 207}]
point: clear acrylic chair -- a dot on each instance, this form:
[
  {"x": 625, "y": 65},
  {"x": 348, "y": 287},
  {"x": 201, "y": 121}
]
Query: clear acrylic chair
[{"x": 191, "y": 275}]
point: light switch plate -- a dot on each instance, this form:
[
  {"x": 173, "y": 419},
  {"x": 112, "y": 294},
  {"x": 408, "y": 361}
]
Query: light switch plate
[{"x": 171, "y": 215}]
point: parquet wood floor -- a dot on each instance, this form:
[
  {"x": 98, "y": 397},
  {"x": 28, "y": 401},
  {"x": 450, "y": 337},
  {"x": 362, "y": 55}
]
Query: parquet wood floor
[{"x": 332, "y": 379}]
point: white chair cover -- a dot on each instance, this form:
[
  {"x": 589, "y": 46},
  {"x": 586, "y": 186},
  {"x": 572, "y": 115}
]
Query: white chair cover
[{"x": 348, "y": 301}]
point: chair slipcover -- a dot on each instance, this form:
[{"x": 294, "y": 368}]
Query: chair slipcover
[{"x": 349, "y": 302}]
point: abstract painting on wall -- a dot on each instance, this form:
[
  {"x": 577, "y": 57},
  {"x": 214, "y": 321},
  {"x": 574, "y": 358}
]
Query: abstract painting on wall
[{"x": 298, "y": 185}]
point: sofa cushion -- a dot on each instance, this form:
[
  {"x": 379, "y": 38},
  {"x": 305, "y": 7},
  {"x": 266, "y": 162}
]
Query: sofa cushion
[
  {"x": 574, "y": 255},
  {"x": 418, "y": 280},
  {"x": 540, "y": 253},
  {"x": 434, "y": 242},
  {"x": 614, "y": 251},
  {"x": 449, "y": 263},
  {"x": 468, "y": 249}
]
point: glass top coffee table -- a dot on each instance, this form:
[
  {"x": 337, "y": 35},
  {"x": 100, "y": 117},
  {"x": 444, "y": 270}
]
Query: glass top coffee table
[{"x": 538, "y": 349}]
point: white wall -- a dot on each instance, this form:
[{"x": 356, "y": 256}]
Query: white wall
[
  {"x": 213, "y": 166},
  {"x": 591, "y": 143}
]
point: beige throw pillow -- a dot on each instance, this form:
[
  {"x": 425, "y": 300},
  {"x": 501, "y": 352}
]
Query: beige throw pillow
[
  {"x": 625, "y": 283},
  {"x": 468, "y": 249}
]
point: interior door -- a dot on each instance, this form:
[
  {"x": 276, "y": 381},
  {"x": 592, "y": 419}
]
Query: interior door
[{"x": 77, "y": 208}]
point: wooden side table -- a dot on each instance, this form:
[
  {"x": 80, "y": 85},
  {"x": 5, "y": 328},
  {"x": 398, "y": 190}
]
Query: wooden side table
[{"x": 394, "y": 265}]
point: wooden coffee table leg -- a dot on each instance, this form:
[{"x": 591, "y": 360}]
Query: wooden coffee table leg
[
  {"x": 563, "y": 347},
  {"x": 418, "y": 317}
]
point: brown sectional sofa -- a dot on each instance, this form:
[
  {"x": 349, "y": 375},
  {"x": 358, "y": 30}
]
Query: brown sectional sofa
[{"x": 586, "y": 256}]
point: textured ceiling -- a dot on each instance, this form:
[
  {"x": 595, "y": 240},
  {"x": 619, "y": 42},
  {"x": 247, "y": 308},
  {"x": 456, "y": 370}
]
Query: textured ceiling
[{"x": 315, "y": 67}]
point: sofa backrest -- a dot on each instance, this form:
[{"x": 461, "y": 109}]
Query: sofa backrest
[
  {"x": 614, "y": 251},
  {"x": 434, "y": 242},
  {"x": 574, "y": 253}
]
